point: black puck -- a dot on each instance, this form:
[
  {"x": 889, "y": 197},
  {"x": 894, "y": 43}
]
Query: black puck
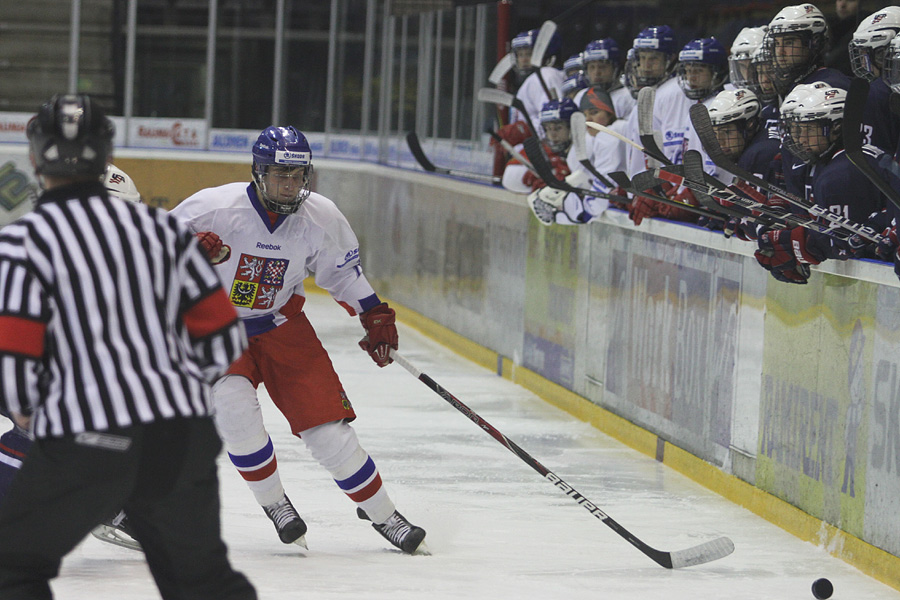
[{"x": 822, "y": 589}]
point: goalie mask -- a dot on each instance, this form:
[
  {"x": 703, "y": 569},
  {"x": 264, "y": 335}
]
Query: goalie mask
[
  {"x": 811, "y": 117},
  {"x": 282, "y": 168},
  {"x": 70, "y": 137}
]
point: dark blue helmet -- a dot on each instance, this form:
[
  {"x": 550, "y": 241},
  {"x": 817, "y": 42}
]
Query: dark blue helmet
[
  {"x": 282, "y": 189},
  {"x": 573, "y": 64},
  {"x": 605, "y": 49},
  {"x": 70, "y": 137},
  {"x": 704, "y": 51},
  {"x": 659, "y": 37},
  {"x": 558, "y": 110},
  {"x": 573, "y": 83}
]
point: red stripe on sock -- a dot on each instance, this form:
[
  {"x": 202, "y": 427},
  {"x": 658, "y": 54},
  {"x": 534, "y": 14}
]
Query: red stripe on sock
[
  {"x": 261, "y": 473},
  {"x": 368, "y": 491},
  {"x": 9, "y": 450}
]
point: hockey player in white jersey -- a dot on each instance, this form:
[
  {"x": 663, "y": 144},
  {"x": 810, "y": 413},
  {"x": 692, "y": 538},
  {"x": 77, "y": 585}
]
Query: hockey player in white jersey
[
  {"x": 602, "y": 66},
  {"x": 264, "y": 239},
  {"x": 653, "y": 63},
  {"x": 532, "y": 92}
]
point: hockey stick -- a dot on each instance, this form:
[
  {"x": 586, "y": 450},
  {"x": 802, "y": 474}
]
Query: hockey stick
[
  {"x": 854, "y": 107},
  {"x": 696, "y": 555},
  {"x": 412, "y": 140},
  {"x": 744, "y": 198},
  {"x": 502, "y": 67},
  {"x": 495, "y": 96},
  {"x": 703, "y": 126},
  {"x": 648, "y": 180},
  {"x": 579, "y": 131},
  {"x": 541, "y": 42},
  {"x": 646, "y": 99},
  {"x": 615, "y": 134},
  {"x": 542, "y": 168},
  {"x": 512, "y": 151}
]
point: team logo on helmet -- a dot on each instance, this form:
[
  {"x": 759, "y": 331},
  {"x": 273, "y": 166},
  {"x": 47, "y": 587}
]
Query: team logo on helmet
[
  {"x": 830, "y": 94},
  {"x": 878, "y": 18}
]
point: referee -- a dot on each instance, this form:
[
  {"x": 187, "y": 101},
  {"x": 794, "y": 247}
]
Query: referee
[{"x": 112, "y": 323}]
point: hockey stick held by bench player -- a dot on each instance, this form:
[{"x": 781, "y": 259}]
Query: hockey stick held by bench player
[
  {"x": 695, "y": 555},
  {"x": 415, "y": 147}
]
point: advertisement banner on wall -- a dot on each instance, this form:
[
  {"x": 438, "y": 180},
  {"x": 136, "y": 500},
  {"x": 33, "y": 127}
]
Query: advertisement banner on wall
[
  {"x": 12, "y": 126},
  {"x": 551, "y": 276},
  {"x": 882, "y": 482},
  {"x": 812, "y": 419},
  {"x": 18, "y": 188},
  {"x": 673, "y": 333},
  {"x": 178, "y": 134}
]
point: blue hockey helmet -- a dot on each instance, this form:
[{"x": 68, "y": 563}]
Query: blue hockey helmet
[
  {"x": 573, "y": 64},
  {"x": 658, "y": 37},
  {"x": 605, "y": 49},
  {"x": 524, "y": 39},
  {"x": 282, "y": 168},
  {"x": 572, "y": 84},
  {"x": 558, "y": 110},
  {"x": 701, "y": 83},
  {"x": 654, "y": 55}
]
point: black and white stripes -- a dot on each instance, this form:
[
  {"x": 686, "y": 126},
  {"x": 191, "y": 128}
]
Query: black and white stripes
[{"x": 133, "y": 318}]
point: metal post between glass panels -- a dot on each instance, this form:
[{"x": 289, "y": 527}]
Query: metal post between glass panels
[
  {"x": 74, "y": 44},
  {"x": 330, "y": 76},
  {"x": 368, "y": 61},
  {"x": 478, "y": 75},
  {"x": 277, "y": 67},
  {"x": 423, "y": 74},
  {"x": 129, "y": 68},
  {"x": 457, "y": 47},
  {"x": 401, "y": 104},
  {"x": 436, "y": 99},
  {"x": 213, "y": 18},
  {"x": 387, "y": 72}
]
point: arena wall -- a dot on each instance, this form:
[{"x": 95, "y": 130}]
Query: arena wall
[{"x": 783, "y": 398}]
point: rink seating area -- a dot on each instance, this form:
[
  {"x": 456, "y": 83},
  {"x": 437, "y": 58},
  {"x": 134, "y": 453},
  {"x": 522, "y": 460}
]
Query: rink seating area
[{"x": 667, "y": 336}]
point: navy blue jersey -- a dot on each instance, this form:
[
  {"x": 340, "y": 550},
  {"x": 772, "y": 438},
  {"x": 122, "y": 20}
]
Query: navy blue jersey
[
  {"x": 770, "y": 120},
  {"x": 842, "y": 188},
  {"x": 760, "y": 153},
  {"x": 792, "y": 168},
  {"x": 880, "y": 127}
]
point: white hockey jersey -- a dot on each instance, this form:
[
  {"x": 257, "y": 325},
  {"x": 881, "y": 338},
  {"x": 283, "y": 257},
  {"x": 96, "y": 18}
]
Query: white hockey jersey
[
  {"x": 533, "y": 96},
  {"x": 268, "y": 263}
]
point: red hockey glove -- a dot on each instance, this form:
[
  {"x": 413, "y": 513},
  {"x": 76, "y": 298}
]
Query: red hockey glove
[
  {"x": 560, "y": 167},
  {"x": 683, "y": 195},
  {"x": 533, "y": 181},
  {"x": 514, "y": 133},
  {"x": 213, "y": 246},
  {"x": 642, "y": 208},
  {"x": 381, "y": 333}
]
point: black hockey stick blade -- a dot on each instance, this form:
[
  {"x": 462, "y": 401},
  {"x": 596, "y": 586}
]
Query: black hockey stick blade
[
  {"x": 535, "y": 154},
  {"x": 695, "y": 555},
  {"x": 854, "y": 109},
  {"x": 646, "y": 99},
  {"x": 694, "y": 173},
  {"x": 415, "y": 147}
]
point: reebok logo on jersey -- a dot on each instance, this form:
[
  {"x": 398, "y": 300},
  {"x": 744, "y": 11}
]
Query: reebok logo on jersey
[{"x": 262, "y": 246}]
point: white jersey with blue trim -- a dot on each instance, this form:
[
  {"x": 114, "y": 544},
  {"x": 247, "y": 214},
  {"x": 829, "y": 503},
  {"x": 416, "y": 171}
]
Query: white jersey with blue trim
[
  {"x": 533, "y": 96},
  {"x": 266, "y": 263}
]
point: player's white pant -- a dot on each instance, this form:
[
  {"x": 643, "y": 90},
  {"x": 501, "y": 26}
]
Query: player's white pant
[{"x": 334, "y": 445}]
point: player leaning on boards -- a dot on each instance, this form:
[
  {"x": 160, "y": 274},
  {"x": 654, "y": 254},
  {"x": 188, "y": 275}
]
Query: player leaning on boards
[
  {"x": 265, "y": 238},
  {"x": 113, "y": 324}
]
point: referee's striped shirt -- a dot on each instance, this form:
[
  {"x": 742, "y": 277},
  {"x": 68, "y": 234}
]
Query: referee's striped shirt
[{"x": 110, "y": 315}]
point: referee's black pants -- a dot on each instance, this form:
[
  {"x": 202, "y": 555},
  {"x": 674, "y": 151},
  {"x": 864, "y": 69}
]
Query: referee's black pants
[{"x": 163, "y": 475}]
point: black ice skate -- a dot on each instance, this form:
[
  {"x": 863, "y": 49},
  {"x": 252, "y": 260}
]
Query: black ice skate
[
  {"x": 399, "y": 532},
  {"x": 117, "y": 531},
  {"x": 290, "y": 527}
]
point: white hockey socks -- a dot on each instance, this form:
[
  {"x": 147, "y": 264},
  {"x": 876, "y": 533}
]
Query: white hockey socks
[
  {"x": 239, "y": 421},
  {"x": 337, "y": 448}
]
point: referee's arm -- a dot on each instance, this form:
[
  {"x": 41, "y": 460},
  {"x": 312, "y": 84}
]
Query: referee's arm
[
  {"x": 217, "y": 335},
  {"x": 23, "y": 324}
]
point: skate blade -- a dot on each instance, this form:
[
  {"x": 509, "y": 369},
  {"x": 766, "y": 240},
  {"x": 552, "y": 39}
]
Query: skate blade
[
  {"x": 422, "y": 550},
  {"x": 301, "y": 541},
  {"x": 113, "y": 536}
]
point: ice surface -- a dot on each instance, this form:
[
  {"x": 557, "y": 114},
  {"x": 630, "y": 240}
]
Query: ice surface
[{"x": 496, "y": 529}]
